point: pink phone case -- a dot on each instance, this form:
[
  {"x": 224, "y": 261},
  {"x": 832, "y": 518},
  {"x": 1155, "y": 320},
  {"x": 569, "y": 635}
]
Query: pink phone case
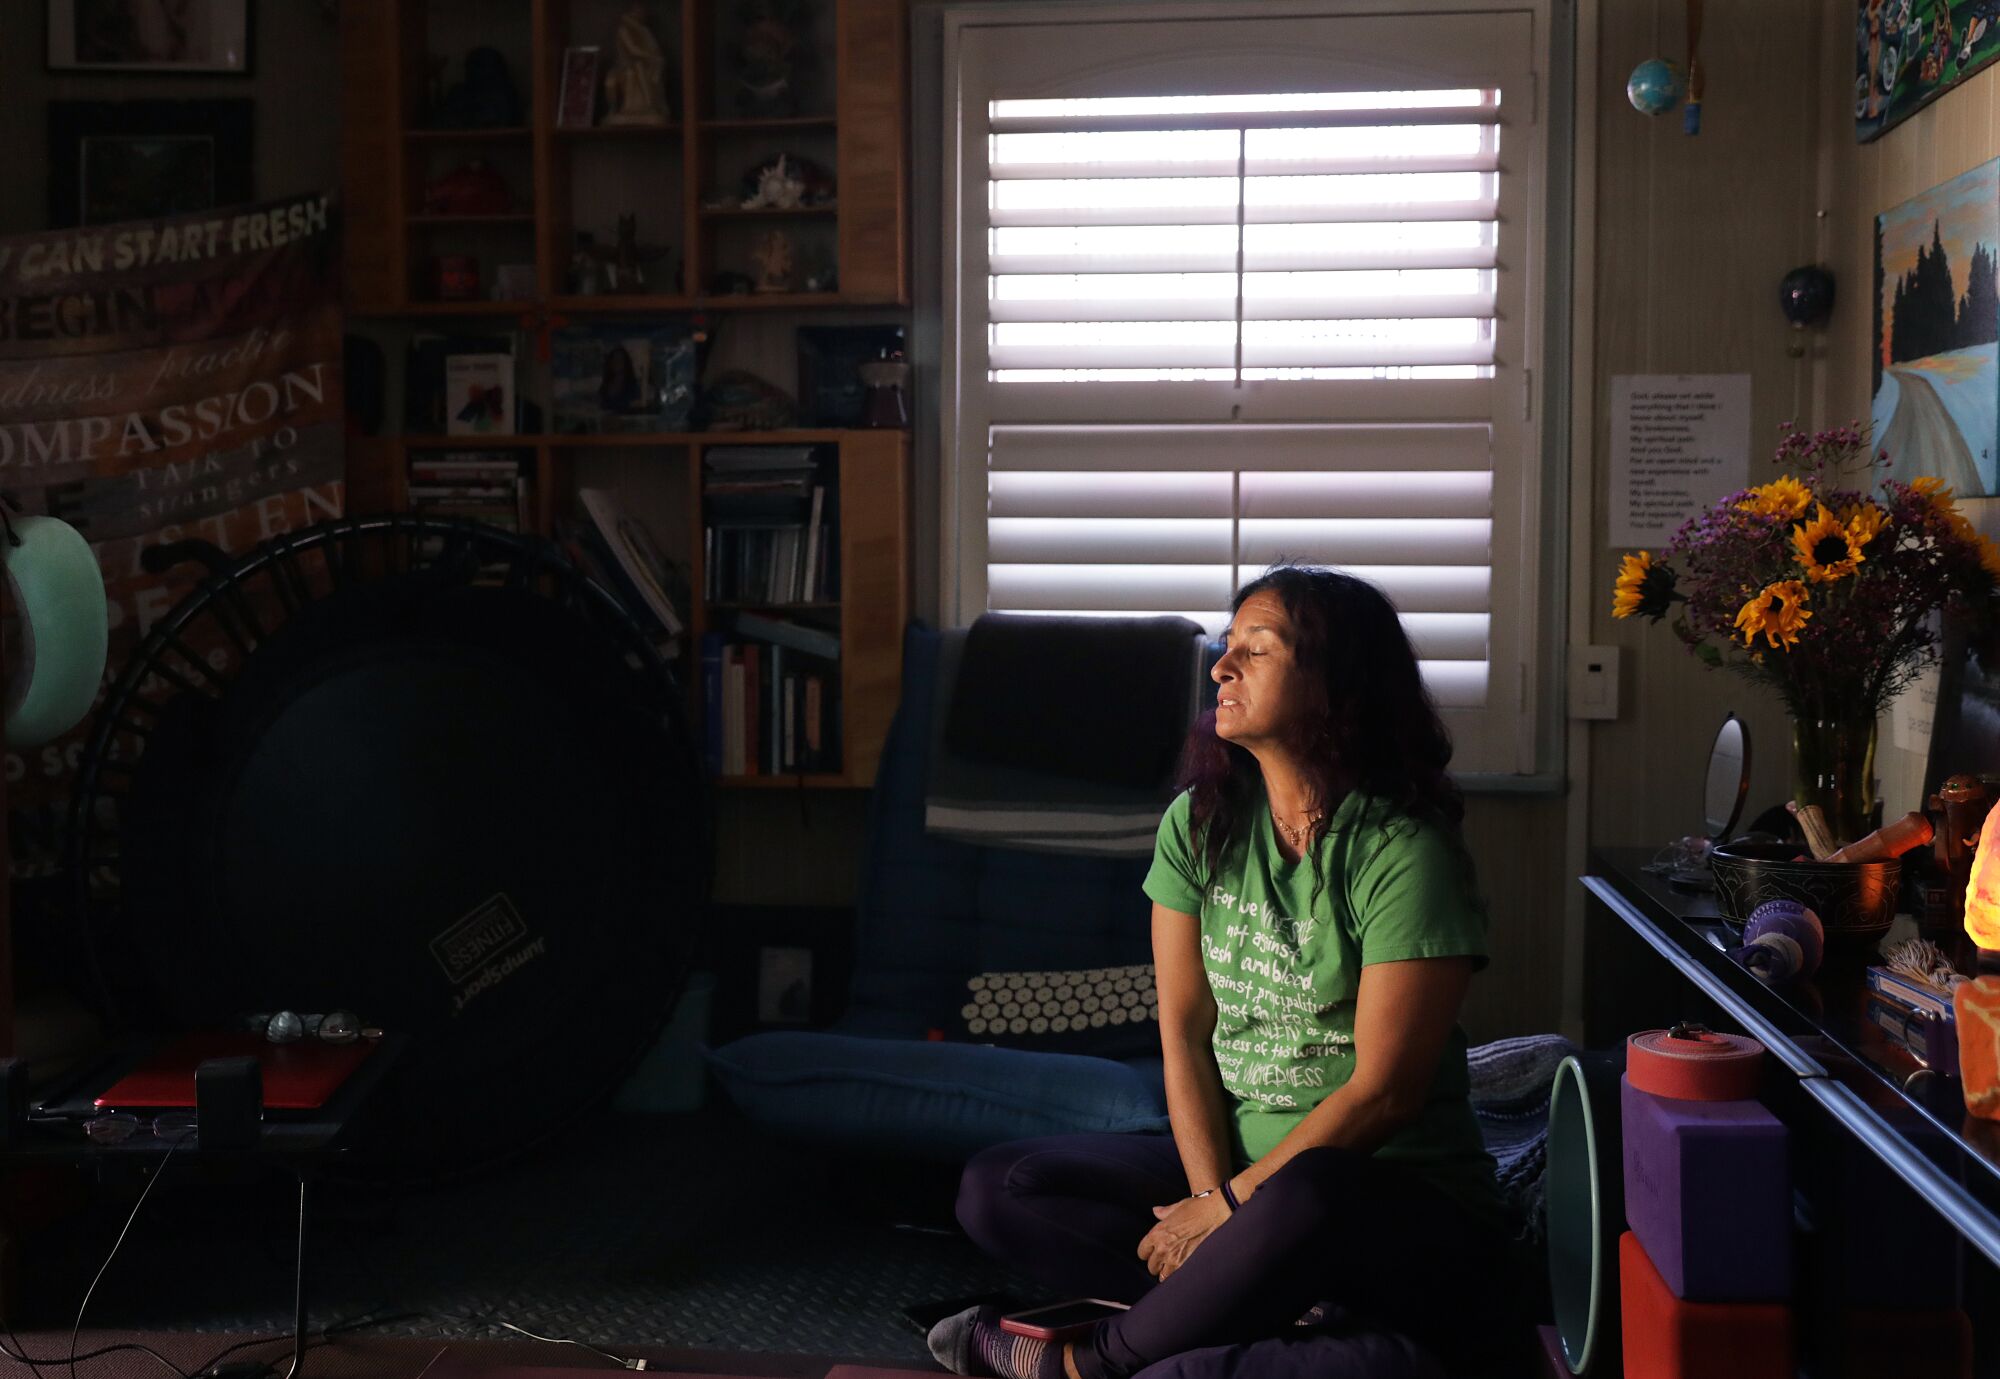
[{"x": 1024, "y": 1323}]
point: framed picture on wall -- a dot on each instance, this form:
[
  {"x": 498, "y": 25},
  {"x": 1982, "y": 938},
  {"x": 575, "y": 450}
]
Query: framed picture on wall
[
  {"x": 149, "y": 36},
  {"x": 111, "y": 161}
]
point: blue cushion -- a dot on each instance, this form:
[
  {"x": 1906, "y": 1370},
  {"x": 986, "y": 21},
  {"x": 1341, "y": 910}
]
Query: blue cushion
[{"x": 931, "y": 1100}]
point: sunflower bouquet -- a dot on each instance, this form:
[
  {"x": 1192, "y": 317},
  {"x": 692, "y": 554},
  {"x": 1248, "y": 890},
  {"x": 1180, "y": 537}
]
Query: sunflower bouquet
[{"x": 1819, "y": 583}]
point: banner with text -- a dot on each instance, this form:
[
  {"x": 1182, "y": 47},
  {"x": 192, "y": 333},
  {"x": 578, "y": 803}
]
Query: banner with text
[
  {"x": 1678, "y": 443},
  {"x": 162, "y": 381}
]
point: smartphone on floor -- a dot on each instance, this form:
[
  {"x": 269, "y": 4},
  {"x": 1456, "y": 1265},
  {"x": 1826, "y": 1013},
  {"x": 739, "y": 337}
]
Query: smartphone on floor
[{"x": 1062, "y": 1321}]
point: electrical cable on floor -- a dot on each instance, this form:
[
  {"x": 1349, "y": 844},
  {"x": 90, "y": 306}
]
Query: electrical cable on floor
[
  {"x": 104, "y": 1268},
  {"x": 19, "y": 1355},
  {"x": 359, "y": 1322},
  {"x": 632, "y": 1363}
]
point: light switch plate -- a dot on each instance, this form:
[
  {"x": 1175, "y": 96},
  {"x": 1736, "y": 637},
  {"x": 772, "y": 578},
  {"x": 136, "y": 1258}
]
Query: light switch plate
[{"x": 1593, "y": 682}]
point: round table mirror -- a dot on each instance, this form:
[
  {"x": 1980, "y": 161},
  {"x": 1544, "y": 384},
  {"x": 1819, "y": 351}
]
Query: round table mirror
[{"x": 1727, "y": 783}]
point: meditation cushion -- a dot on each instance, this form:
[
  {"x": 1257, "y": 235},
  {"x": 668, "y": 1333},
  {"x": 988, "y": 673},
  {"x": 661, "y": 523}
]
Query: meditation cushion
[{"x": 929, "y": 1099}]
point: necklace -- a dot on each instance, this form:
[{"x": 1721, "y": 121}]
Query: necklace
[{"x": 1297, "y": 836}]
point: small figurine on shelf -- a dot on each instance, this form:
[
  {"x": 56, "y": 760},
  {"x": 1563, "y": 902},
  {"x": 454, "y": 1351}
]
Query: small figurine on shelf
[
  {"x": 816, "y": 273},
  {"x": 486, "y": 99},
  {"x": 621, "y": 268},
  {"x": 635, "y": 90},
  {"x": 766, "y": 58},
  {"x": 784, "y": 181},
  {"x": 586, "y": 273},
  {"x": 738, "y": 400},
  {"x": 474, "y": 188},
  {"x": 886, "y": 405},
  {"x": 773, "y": 256},
  {"x": 779, "y": 188}
]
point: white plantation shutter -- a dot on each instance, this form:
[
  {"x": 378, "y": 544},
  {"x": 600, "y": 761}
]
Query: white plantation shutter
[{"x": 1241, "y": 290}]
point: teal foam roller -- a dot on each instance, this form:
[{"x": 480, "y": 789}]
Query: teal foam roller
[{"x": 65, "y": 628}]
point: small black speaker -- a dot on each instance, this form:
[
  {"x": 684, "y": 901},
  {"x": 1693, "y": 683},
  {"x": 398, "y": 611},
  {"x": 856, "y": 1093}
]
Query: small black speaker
[
  {"x": 228, "y": 1103},
  {"x": 13, "y": 1102}
]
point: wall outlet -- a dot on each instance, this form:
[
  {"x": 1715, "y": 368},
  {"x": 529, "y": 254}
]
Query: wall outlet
[{"x": 1593, "y": 682}]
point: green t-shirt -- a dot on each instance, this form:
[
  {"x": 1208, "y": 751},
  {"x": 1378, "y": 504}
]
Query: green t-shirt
[{"x": 1284, "y": 969}]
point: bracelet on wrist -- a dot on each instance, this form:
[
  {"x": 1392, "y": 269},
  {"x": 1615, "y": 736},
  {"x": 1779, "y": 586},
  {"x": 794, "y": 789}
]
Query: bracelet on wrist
[{"x": 1229, "y": 1196}]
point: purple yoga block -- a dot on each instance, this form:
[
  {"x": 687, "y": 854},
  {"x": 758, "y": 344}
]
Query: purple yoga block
[{"x": 1708, "y": 1191}]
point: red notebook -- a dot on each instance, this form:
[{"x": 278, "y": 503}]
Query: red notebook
[{"x": 299, "y": 1076}]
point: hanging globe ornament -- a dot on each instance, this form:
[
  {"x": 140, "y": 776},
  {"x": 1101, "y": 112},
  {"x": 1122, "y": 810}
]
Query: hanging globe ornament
[{"x": 1656, "y": 86}]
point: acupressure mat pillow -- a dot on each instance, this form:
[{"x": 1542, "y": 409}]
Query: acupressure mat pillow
[{"x": 1112, "y": 1012}]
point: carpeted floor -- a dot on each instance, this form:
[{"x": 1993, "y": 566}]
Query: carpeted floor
[{"x": 690, "y": 1231}]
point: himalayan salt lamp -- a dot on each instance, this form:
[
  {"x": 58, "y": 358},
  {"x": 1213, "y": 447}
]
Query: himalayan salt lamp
[{"x": 1977, "y": 1003}]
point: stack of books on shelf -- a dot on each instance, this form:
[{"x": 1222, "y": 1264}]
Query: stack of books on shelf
[
  {"x": 476, "y": 485},
  {"x": 618, "y": 552},
  {"x": 770, "y": 535},
  {"x": 1911, "y": 1004},
  {"x": 771, "y": 698}
]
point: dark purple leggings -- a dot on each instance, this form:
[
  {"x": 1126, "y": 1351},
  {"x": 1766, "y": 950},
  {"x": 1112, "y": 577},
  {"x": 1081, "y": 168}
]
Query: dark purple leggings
[{"x": 1332, "y": 1227}]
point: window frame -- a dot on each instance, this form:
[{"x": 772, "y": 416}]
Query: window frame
[{"x": 1529, "y": 401}]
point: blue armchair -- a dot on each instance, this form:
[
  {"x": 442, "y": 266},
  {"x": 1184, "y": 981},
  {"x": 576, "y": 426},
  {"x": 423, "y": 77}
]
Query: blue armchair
[{"x": 931, "y": 913}]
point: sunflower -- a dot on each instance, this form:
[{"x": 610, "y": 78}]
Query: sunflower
[
  {"x": 1989, "y": 557},
  {"x": 1826, "y": 547},
  {"x": 1934, "y": 491},
  {"x": 1778, "y": 612},
  {"x": 1783, "y": 497},
  {"x": 1643, "y": 588},
  {"x": 1864, "y": 522}
]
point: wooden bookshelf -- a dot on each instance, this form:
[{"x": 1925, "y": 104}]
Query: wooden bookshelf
[
  {"x": 572, "y": 180},
  {"x": 679, "y": 179},
  {"x": 872, "y": 603}
]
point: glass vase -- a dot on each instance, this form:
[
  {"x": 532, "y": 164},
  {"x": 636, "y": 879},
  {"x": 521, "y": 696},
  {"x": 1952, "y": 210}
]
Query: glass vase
[{"x": 1833, "y": 766}]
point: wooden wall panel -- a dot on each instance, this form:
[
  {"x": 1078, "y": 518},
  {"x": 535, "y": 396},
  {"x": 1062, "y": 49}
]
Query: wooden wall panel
[
  {"x": 1692, "y": 237},
  {"x": 1957, "y": 132},
  {"x": 873, "y": 175},
  {"x": 371, "y": 157},
  {"x": 875, "y": 591}
]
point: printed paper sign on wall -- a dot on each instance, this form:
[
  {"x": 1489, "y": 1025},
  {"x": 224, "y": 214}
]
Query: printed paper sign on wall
[{"x": 161, "y": 381}]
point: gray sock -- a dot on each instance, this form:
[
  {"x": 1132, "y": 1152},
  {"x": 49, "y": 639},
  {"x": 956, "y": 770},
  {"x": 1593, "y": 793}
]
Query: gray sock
[{"x": 972, "y": 1343}]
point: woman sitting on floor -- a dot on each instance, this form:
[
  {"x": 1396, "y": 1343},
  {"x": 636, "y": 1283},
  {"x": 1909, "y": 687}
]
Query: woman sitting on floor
[{"x": 1315, "y": 928}]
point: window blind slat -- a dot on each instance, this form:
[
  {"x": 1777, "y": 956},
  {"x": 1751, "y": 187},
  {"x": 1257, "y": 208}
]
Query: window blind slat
[
  {"x": 1115, "y": 588},
  {"x": 1008, "y": 311},
  {"x": 1449, "y": 636},
  {"x": 1366, "y": 493},
  {"x": 1327, "y": 163},
  {"x": 1069, "y": 493},
  {"x": 1186, "y": 213},
  {"x": 1414, "y": 588},
  {"x": 1261, "y": 447},
  {"x": 1336, "y": 353},
  {"x": 1107, "y": 541},
  {"x": 1423, "y": 541},
  {"x": 1359, "y": 400},
  {"x": 1331, "y": 119}
]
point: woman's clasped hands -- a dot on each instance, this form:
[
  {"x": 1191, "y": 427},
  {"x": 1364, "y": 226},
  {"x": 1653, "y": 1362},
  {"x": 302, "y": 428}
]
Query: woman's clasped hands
[{"x": 1182, "y": 1227}]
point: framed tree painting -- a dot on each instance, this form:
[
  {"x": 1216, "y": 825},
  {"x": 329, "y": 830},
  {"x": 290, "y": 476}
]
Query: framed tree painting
[
  {"x": 112, "y": 161},
  {"x": 1907, "y": 53},
  {"x": 149, "y": 36},
  {"x": 1937, "y": 320}
]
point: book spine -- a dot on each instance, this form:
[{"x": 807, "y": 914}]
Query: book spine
[
  {"x": 814, "y": 737},
  {"x": 1896, "y": 988},
  {"x": 774, "y": 752},
  {"x": 732, "y": 711},
  {"x": 711, "y": 702},
  {"x": 753, "y": 705}
]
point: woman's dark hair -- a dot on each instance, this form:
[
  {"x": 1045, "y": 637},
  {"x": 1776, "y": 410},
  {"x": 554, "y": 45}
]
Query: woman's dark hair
[{"x": 1369, "y": 723}]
